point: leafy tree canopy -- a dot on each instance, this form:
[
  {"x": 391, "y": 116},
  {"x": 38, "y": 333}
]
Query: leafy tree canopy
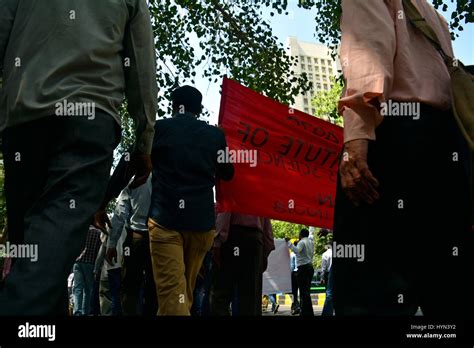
[
  {"x": 234, "y": 39},
  {"x": 230, "y": 37}
]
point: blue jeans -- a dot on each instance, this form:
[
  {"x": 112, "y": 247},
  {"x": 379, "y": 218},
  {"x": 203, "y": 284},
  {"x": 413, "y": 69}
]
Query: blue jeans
[
  {"x": 83, "y": 286},
  {"x": 272, "y": 299},
  {"x": 328, "y": 309},
  {"x": 95, "y": 302}
]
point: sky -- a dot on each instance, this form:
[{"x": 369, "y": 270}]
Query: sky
[{"x": 300, "y": 23}]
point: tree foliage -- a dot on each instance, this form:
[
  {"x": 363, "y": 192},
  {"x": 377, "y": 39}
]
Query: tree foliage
[
  {"x": 222, "y": 38},
  {"x": 235, "y": 40},
  {"x": 328, "y": 17},
  {"x": 283, "y": 229},
  {"x": 325, "y": 103},
  {"x": 464, "y": 13},
  {"x": 127, "y": 132},
  {"x": 216, "y": 38}
]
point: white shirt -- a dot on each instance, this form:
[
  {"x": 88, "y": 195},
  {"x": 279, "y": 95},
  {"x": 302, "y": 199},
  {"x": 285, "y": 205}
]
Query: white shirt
[
  {"x": 326, "y": 260},
  {"x": 304, "y": 251},
  {"x": 101, "y": 265},
  {"x": 131, "y": 211},
  {"x": 293, "y": 266}
]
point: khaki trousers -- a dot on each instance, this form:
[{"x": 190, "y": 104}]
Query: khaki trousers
[{"x": 176, "y": 258}]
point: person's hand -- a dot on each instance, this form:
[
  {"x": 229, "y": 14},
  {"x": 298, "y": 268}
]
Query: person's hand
[
  {"x": 100, "y": 220},
  {"x": 357, "y": 180},
  {"x": 216, "y": 256},
  {"x": 111, "y": 256},
  {"x": 142, "y": 166}
]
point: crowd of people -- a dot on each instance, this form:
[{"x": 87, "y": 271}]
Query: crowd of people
[
  {"x": 115, "y": 274},
  {"x": 403, "y": 182},
  {"x": 161, "y": 231}
]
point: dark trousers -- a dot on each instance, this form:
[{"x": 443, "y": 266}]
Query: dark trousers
[
  {"x": 304, "y": 276},
  {"x": 239, "y": 279},
  {"x": 114, "y": 276},
  {"x": 417, "y": 235},
  {"x": 95, "y": 301},
  {"x": 328, "y": 308},
  {"x": 56, "y": 173},
  {"x": 294, "y": 289},
  {"x": 138, "y": 275}
]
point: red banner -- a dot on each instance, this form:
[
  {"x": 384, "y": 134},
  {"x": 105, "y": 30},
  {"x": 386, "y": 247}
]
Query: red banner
[{"x": 285, "y": 161}]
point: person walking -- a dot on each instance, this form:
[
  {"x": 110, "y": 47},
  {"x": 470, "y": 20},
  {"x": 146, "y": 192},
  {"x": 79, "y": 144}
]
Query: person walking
[
  {"x": 84, "y": 273},
  {"x": 130, "y": 217},
  {"x": 295, "y": 305},
  {"x": 182, "y": 219},
  {"x": 327, "y": 280},
  {"x": 108, "y": 274},
  {"x": 240, "y": 253},
  {"x": 403, "y": 183},
  {"x": 304, "y": 252},
  {"x": 66, "y": 67}
]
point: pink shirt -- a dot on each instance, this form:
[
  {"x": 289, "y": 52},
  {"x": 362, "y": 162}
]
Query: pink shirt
[{"x": 384, "y": 57}]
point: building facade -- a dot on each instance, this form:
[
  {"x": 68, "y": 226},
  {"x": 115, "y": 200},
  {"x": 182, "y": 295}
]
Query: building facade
[{"x": 315, "y": 60}]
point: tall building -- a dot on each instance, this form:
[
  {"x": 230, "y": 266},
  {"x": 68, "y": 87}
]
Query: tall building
[{"x": 315, "y": 60}]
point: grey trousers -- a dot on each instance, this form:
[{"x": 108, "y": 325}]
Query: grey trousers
[{"x": 56, "y": 174}]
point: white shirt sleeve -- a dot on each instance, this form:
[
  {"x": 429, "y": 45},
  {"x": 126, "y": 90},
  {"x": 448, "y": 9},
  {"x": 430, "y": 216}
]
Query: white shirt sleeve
[
  {"x": 121, "y": 215},
  {"x": 296, "y": 249},
  {"x": 324, "y": 263}
]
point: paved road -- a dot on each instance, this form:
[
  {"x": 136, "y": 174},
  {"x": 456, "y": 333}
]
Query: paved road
[{"x": 285, "y": 310}]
